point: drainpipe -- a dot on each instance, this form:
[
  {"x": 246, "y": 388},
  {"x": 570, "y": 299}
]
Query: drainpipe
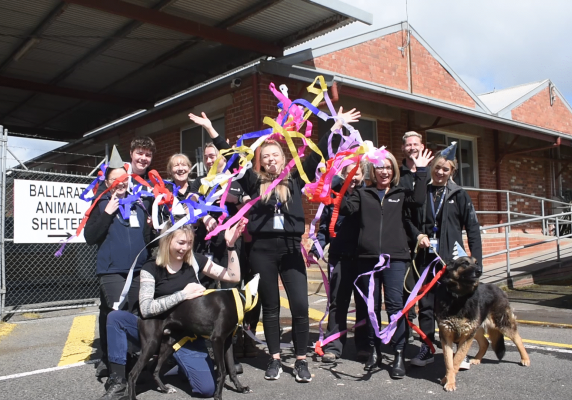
[
  {"x": 496, "y": 138},
  {"x": 256, "y": 104}
]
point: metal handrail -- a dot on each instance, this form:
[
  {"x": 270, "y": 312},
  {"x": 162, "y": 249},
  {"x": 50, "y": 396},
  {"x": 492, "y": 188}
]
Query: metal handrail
[
  {"x": 507, "y": 250},
  {"x": 510, "y": 213}
]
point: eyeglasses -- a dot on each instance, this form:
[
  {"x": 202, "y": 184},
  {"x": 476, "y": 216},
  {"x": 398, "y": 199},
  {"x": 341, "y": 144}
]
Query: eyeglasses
[{"x": 384, "y": 168}]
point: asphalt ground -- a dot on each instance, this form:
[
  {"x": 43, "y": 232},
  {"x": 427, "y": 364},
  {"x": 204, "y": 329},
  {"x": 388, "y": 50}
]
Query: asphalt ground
[{"x": 49, "y": 358}]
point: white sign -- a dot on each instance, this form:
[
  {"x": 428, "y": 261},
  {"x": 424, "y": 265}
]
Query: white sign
[{"x": 47, "y": 212}]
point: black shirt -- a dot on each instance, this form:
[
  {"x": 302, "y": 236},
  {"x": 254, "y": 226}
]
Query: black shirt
[{"x": 166, "y": 283}]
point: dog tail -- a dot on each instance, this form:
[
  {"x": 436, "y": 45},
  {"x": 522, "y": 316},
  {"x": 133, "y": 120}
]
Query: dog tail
[{"x": 497, "y": 341}]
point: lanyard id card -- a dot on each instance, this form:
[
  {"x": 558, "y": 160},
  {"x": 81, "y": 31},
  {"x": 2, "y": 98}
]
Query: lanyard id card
[
  {"x": 278, "y": 217},
  {"x": 133, "y": 221},
  {"x": 434, "y": 242}
]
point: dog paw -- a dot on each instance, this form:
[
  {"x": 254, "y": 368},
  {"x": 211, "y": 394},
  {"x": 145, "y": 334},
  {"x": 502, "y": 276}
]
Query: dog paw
[
  {"x": 168, "y": 390},
  {"x": 443, "y": 381},
  {"x": 525, "y": 363},
  {"x": 245, "y": 389},
  {"x": 475, "y": 361},
  {"x": 450, "y": 387}
]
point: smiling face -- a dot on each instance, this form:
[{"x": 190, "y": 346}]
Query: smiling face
[
  {"x": 272, "y": 159},
  {"x": 140, "y": 160},
  {"x": 180, "y": 245},
  {"x": 209, "y": 157},
  {"x": 441, "y": 171},
  {"x": 357, "y": 178},
  {"x": 121, "y": 188},
  {"x": 180, "y": 170},
  {"x": 384, "y": 174},
  {"x": 412, "y": 147}
]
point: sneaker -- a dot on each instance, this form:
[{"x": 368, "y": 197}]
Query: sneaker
[
  {"x": 301, "y": 371},
  {"x": 102, "y": 371},
  {"x": 329, "y": 358},
  {"x": 424, "y": 357},
  {"x": 117, "y": 389},
  {"x": 273, "y": 370},
  {"x": 465, "y": 364}
]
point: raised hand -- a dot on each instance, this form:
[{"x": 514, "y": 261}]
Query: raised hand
[
  {"x": 113, "y": 204},
  {"x": 348, "y": 117},
  {"x": 202, "y": 121},
  {"x": 233, "y": 233},
  {"x": 423, "y": 158}
]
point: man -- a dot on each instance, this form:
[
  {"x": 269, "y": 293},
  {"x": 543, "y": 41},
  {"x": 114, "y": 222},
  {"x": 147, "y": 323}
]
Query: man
[
  {"x": 142, "y": 151},
  {"x": 411, "y": 147}
]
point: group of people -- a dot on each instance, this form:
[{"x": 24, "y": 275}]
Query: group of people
[
  {"x": 399, "y": 213},
  {"x": 410, "y": 215}
]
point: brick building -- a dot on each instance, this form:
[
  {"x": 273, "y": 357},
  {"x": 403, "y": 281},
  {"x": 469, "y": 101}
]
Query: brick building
[{"x": 516, "y": 139}]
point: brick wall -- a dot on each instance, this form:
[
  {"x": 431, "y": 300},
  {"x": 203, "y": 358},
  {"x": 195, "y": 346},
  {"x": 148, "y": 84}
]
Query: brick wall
[
  {"x": 431, "y": 79},
  {"x": 376, "y": 60},
  {"x": 538, "y": 111}
]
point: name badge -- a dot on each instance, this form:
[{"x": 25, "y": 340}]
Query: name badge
[
  {"x": 209, "y": 256},
  {"x": 279, "y": 221},
  {"x": 133, "y": 221},
  {"x": 435, "y": 245}
]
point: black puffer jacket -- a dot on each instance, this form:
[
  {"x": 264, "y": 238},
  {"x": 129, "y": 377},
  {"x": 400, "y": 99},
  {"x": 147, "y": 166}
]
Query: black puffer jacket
[
  {"x": 385, "y": 226},
  {"x": 458, "y": 213}
]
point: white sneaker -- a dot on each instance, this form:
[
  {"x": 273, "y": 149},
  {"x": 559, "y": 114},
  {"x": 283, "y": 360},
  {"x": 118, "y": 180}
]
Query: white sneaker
[{"x": 465, "y": 364}]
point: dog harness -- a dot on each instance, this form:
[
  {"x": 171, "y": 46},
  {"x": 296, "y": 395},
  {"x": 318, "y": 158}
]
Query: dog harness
[{"x": 249, "y": 304}]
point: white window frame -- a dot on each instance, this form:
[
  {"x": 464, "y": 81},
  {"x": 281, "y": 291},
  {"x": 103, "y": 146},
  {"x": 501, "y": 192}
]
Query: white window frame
[{"x": 469, "y": 138}]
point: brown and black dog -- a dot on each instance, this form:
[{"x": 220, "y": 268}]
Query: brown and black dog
[{"x": 465, "y": 309}]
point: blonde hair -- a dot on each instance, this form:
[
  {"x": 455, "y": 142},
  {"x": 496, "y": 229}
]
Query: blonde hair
[
  {"x": 282, "y": 190},
  {"x": 412, "y": 134},
  {"x": 394, "y": 167},
  {"x": 453, "y": 163},
  {"x": 171, "y": 163},
  {"x": 164, "y": 255},
  {"x": 348, "y": 168}
]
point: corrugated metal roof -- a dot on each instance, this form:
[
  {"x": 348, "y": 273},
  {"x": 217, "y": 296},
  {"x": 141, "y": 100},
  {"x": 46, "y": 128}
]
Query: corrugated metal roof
[{"x": 148, "y": 63}]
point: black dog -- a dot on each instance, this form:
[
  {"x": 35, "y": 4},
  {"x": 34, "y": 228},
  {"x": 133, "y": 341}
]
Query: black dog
[
  {"x": 213, "y": 315},
  {"x": 464, "y": 309}
]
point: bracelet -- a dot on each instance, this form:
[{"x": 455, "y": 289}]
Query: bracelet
[{"x": 231, "y": 248}]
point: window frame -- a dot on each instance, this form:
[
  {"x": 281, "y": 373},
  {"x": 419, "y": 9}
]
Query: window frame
[
  {"x": 203, "y": 133},
  {"x": 469, "y": 138}
]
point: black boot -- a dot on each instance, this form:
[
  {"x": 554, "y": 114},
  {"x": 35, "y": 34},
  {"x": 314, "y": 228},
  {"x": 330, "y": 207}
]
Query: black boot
[
  {"x": 372, "y": 361},
  {"x": 102, "y": 371},
  {"x": 398, "y": 366},
  {"x": 117, "y": 388}
]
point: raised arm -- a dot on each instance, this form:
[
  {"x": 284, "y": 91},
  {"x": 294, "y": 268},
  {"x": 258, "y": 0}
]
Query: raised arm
[{"x": 232, "y": 272}]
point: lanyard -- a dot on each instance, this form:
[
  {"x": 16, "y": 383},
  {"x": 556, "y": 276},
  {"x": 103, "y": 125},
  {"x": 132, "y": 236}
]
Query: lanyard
[{"x": 435, "y": 213}]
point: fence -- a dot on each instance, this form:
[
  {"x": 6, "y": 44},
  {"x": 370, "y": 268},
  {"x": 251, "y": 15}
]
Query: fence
[{"x": 32, "y": 278}]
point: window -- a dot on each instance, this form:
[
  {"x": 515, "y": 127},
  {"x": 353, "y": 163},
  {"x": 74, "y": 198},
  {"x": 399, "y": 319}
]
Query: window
[
  {"x": 193, "y": 141},
  {"x": 466, "y": 155},
  {"x": 367, "y": 129}
]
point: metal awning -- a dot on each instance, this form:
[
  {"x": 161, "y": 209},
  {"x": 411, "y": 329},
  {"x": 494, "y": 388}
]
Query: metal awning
[{"x": 67, "y": 67}]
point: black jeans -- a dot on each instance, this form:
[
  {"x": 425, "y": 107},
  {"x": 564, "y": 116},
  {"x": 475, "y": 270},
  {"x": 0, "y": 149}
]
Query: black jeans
[
  {"x": 342, "y": 277},
  {"x": 110, "y": 287},
  {"x": 392, "y": 280},
  {"x": 427, "y": 303},
  {"x": 273, "y": 256}
]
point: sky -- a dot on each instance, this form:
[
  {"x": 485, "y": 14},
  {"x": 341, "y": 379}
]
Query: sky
[{"x": 488, "y": 43}]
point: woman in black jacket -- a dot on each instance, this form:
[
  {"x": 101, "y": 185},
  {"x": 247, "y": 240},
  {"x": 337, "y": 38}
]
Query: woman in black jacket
[
  {"x": 447, "y": 211},
  {"x": 384, "y": 228},
  {"x": 276, "y": 224}
]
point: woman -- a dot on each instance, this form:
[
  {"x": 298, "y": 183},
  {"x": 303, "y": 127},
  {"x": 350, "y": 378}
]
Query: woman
[
  {"x": 276, "y": 225},
  {"x": 447, "y": 211},
  {"x": 342, "y": 271},
  {"x": 384, "y": 227},
  {"x": 178, "y": 168},
  {"x": 166, "y": 281},
  {"x": 118, "y": 243}
]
